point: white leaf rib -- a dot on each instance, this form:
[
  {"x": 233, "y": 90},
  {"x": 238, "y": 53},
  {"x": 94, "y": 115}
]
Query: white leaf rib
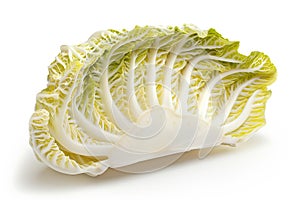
[
  {"x": 91, "y": 129},
  {"x": 151, "y": 94},
  {"x": 168, "y": 70},
  {"x": 203, "y": 104},
  {"x": 231, "y": 126},
  {"x": 233, "y": 97},
  {"x": 110, "y": 108},
  {"x": 134, "y": 106}
]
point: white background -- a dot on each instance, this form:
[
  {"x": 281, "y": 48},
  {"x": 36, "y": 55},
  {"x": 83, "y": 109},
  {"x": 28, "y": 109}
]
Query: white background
[{"x": 267, "y": 166}]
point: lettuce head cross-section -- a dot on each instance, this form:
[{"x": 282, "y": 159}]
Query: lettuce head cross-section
[{"x": 124, "y": 97}]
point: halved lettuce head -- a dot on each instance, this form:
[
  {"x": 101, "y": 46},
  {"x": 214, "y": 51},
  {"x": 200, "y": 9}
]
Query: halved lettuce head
[{"x": 127, "y": 96}]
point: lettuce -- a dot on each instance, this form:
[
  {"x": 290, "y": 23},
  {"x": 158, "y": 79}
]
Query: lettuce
[{"x": 127, "y": 96}]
